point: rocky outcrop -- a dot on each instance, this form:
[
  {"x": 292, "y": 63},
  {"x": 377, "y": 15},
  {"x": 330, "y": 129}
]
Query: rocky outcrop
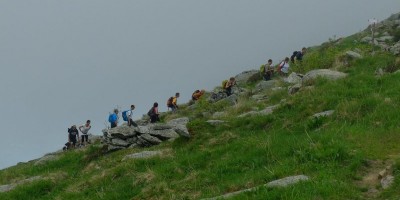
[
  {"x": 247, "y": 77},
  {"x": 144, "y": 136},
  {"x": 353, "y": 55}
]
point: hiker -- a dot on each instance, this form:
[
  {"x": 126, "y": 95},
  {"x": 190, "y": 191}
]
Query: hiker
[
  {"x": 298, "y": 55},
  {"x": 73, "y": 135},
  {"x": 129, "y": 115},
  {"x": 153, "y": 113},
  {"x": 197, "y": 94},
  {"x": 172, "y": 102},
  {"x": 283, "y": 67},
  {"x": 84, "y": 130},
  {"x": 113, "y": 118},
  {"x": 267, "y": 70},
  {"x": 229, "y": 85}
]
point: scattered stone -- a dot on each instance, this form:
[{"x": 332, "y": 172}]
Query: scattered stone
[
  {"x": 232, "y": 100},
  {"x": 353, "y": 54},
  {"x": 366, "y": 39},
  {"x": 325, "y": 73},
  {"x": 387, "y": 182},
  {"x": 395, "y": 49},
  {"x": 277, "y": 88},
  {"x": 324, "y": 114},
  {"x": 143, "y": 154},
  {"x": 111, "y": 148},
  {"x": 379, "y": 72},
  {"x": 294, "y": 89},
  {"x": 285, "y": 182},
  {"x": 215, "y": 122},
  {"x": 46, "y": 159}
]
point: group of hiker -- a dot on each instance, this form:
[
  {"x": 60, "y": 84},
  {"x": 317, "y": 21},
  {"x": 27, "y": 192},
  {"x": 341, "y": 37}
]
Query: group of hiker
[
  {"x": 267, "y": 70},
  {"x": 73, "y": 135}
]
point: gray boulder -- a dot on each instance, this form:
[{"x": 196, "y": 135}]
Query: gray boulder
[
  {"x": 119, "y": 142},
  {"x": 122, "y": 132},
  {"x": 265, "y": 85},
  {"x": 366, "y": 39},
  {"x": 111, "y": 148},
  {"x": 150, "y": 139},
  {"x": 294, "y": 89},
  {"x": 179, "y": 126},
  {"x": 353, "y": 54},
  {"x": 143, "y": 154},
  {"x": 247, "y": 76},
  {"x": 232, "y": 100},
  {"x": 324, "y": 73},
  {"x": 165, "y": 134},
  {"x": 268, "y": 110},
  {"x": 294, "y": 78}
]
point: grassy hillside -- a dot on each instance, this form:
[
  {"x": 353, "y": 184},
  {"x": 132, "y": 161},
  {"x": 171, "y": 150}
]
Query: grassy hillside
[{"x": 337, "y": 152}]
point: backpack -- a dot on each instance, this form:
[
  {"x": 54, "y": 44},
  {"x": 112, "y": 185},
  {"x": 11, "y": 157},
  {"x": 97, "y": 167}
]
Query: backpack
[
  {"x": 151, "y": 112},
  {"x": 112, "y": 118},
  {"x": 293, "y": 56},
  {"x": 194, "y": 93},
  {"x": 262, "y": 69},
  {"x": 224, "y": 83},
  {"x": 124, "y": 116},
  {"x": 169, "y": 101}
]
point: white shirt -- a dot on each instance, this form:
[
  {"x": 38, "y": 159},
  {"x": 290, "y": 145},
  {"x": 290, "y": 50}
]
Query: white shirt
[
  {"x": 285, "y": 67},
  {"x": 129, "y": 114},
  {"x": 84, "y": 129}
]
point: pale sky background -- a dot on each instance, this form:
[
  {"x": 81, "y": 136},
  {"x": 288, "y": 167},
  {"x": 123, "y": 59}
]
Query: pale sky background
[{"x": 63, "y": 62}]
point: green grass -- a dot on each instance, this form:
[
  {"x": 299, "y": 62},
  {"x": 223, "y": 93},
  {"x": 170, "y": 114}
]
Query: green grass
[{"x": 251, "y": 151}]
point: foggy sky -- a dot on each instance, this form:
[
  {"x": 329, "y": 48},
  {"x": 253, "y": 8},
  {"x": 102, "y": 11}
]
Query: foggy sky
[{"x": 63, "y": 62}]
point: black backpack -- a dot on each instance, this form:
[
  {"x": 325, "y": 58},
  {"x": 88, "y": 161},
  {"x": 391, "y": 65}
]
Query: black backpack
[
  {"x": 293, "y": 56},
  {"x": 151, "y": 112}
]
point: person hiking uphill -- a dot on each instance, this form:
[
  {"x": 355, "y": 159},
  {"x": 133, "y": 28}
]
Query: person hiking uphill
[
  {"x": 153, "y": 113},
  {"x": 298, "y": 55},
  {"x": 84, "y": 130},
  {"x": 197, "y": 94},
  {"x": 73, "y": 136},
  {"x": 267, "y": 70},
  {"x": 113, "y": 118},
  {"x": 172, "y": 102},
  {"x": 229, "y": 85},
  {"x": 129, "y": 115},
  {"x": 283, "y": 67}
]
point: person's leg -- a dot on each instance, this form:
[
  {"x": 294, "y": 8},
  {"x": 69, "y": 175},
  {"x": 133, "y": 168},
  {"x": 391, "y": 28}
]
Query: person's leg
[{"x": 113, "y": 125}]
